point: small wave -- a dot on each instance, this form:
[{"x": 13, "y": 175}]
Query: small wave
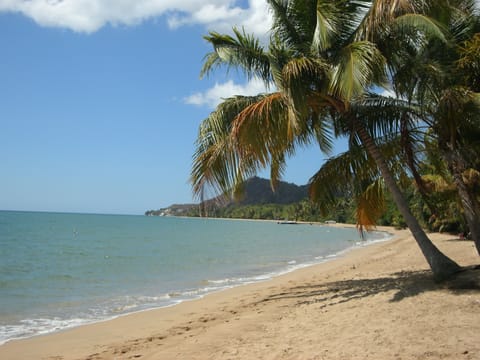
[
  {"x": 31, "y": 327},
  {"x": 375, "y": 237},
  {"x": 113, "y": 308},
  {"x": 221, "y": 281}
]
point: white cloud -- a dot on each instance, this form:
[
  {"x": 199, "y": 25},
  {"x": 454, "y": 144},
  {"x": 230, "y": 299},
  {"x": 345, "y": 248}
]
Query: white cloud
[
  {"x": 90, "y": 15},
  {"x": 221, "y": 16},
  {"x": 214, "y": 96}
]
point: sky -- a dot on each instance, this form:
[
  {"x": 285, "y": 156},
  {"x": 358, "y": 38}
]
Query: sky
[{"x": 100, "y": 100}]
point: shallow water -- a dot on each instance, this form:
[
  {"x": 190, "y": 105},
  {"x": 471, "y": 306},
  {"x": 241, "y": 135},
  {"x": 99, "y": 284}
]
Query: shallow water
[{"x": 62, "y": 270}]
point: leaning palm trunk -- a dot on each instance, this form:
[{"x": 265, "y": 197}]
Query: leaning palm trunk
[
  {"x": 470, "y": 204},
  {"x": 441, "y": 266},
  {"x": 420, "y": 183},
  {"x": 410, "y": 160}
]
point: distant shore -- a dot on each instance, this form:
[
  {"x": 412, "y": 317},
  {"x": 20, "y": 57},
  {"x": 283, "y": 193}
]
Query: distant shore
[{"x": 376, "y": 302}]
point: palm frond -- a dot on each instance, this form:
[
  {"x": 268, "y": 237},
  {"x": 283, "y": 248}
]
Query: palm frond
[
  {"x": 360, "y": 64},
  {"x": 348, "y": 171},
  {"x": 337, "y": 23},
  {"x": 217, "y": 166},
  {"x": 469, "y": 61},
  {"x": 242, "y": 136},
  {"x": 379, "y": 15},
  {"x": 329, "y": 17},
  {"x": 420, "y": 23},
  {"x": 283, "y": 27},
  {"x": 370, "y": 205},
  {"x": 264, "y": 129},
  {"x": 383, "y": 116},
  {"x": 240, "y": 52},
  {"x": 323, "y": 130},
  {"x": 438, "y": 183},
  {"x": 299, "y": 75},
  {"x": 277, "y": 169}
]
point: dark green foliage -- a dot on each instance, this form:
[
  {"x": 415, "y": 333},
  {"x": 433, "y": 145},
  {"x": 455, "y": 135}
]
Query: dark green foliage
[
  {"x": 259, "y": 191},
  {"x": 290, "y": 202}
]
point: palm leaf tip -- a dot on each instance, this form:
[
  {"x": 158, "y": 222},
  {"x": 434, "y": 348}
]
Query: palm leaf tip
[{"x": 361, "y": 65}]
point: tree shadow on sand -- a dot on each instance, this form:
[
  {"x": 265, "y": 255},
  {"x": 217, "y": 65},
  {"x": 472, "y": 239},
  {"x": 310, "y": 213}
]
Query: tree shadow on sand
[{"x": 403, "y": 285}]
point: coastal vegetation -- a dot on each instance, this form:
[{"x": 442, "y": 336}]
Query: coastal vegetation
[
  {"x": 325, "y": 63},
  {"x": 291, "y": 202}
]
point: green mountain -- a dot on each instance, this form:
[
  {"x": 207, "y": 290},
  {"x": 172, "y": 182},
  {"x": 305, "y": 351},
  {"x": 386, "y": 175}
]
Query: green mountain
[{"x": 257, "y": 191}]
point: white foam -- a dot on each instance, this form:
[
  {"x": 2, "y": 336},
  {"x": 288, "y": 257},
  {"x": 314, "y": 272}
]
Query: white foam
[{"x": 31, "y": 327}]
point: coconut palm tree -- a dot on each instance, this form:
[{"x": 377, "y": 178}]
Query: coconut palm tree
[
  {"x": 322, "y": 58},
  {"x": 443, "y": 78},
  {"x": 364, "y": 116},
  {"x": 356, "y": 169}
]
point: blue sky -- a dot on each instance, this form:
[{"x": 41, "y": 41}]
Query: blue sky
[{"x": 101, "y": 100}]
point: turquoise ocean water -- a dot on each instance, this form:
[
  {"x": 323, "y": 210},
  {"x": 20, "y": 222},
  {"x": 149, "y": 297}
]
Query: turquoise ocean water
[{"x": 62, "y": 270}]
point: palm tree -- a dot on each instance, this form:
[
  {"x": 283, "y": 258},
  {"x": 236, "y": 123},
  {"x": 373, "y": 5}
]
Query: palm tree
[
  {"x": 361, "y": 116},
  {"x": 443, "y": 78},
  {"x": 321, "y": 59},
  {"x": 356, "y": 172}
]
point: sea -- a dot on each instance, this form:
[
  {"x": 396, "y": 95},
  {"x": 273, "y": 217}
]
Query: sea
[{"x": 61, "y": 270}]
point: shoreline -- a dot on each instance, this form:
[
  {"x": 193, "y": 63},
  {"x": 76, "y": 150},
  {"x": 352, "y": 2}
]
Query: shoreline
[
  {"x": 250, "y": 312},
  {"x": 179, "y": 296}
]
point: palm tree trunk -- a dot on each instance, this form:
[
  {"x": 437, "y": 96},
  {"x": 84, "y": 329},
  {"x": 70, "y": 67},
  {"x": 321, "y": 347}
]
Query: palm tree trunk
[
  {"x": 470, "y": 204},
  {"x": 441, "y": 265},
  {"x": 410, "y": 159}
]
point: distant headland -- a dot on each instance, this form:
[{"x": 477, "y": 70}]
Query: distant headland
[{"x": 257, "y": 193}]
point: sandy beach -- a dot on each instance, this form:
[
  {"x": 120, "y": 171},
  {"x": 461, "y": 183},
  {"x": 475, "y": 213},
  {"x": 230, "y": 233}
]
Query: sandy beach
[{"x": 374, "y": 302}]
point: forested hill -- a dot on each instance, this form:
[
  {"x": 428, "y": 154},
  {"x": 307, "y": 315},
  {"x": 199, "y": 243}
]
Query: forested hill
[{"x": 257, "y": 191}]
